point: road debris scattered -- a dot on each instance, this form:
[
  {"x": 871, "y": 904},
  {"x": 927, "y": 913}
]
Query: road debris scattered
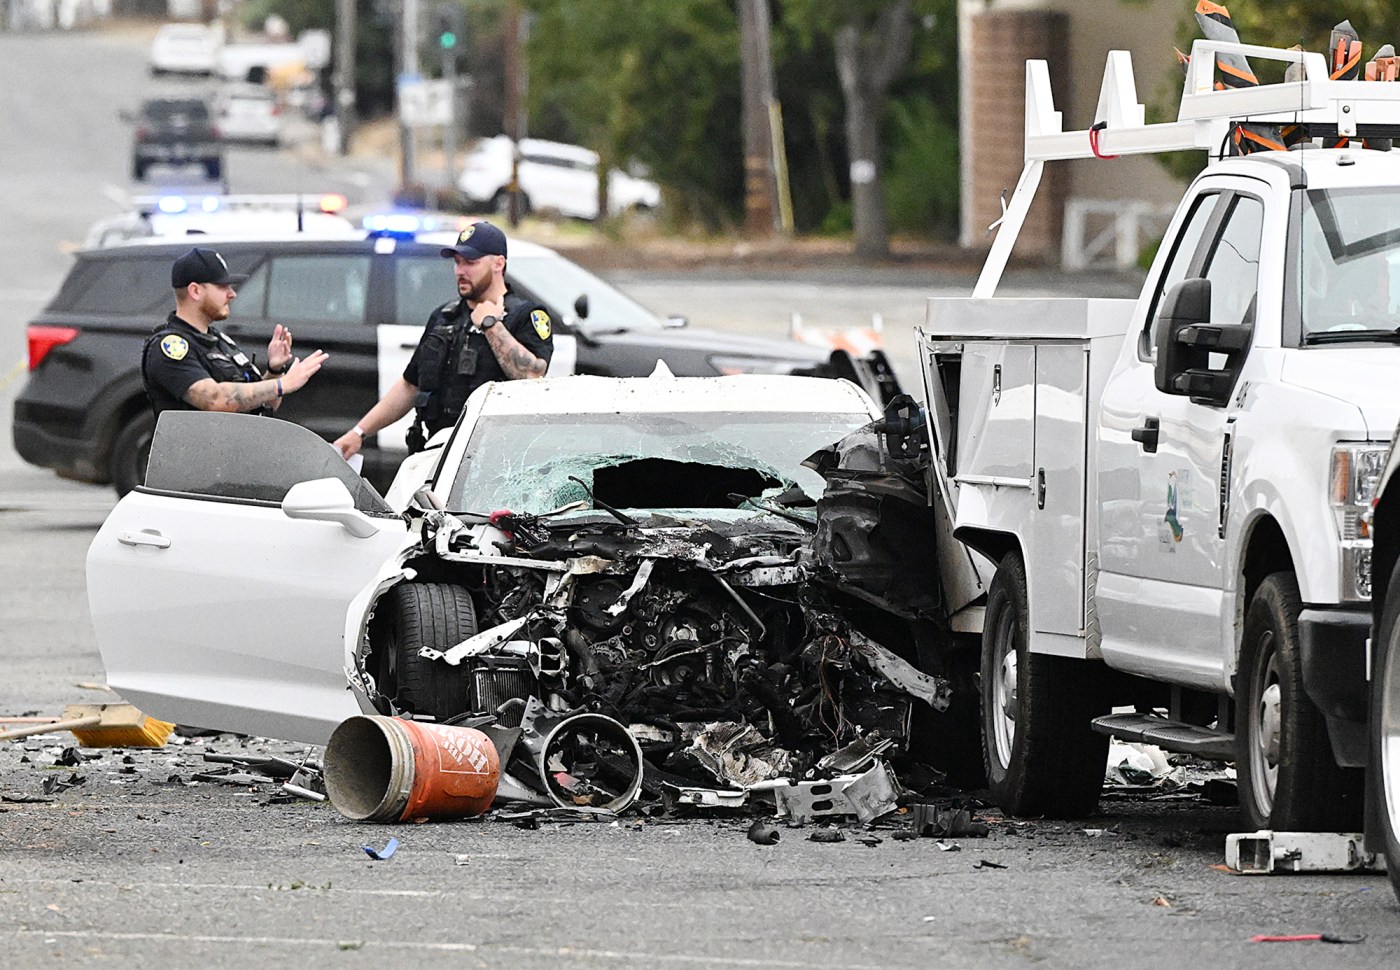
[{"x": 387, "y": 852}]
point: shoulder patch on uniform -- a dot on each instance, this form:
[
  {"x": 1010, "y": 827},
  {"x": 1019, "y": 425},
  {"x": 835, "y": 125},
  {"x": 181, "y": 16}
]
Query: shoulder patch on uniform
[
  {"x": 174, "y": 346},
  {"x": 541, "y": 321}
]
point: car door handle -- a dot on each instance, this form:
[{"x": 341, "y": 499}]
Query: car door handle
[
  {"x": 146, "y": 537},
  {"x": 1147, "y": 434},
  {"x": 409, "y": 346}
]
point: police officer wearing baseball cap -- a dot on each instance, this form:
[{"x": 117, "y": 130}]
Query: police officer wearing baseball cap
[
  {"x": 486, "y": 334},
  {"x": 189, "y": 364}
]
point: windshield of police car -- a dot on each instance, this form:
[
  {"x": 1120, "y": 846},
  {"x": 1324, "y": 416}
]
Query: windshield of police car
[
  {"x": 1349, "y": 265},
  {"x": 559, "y": 283},
  {"x": 529, "y": 463}
]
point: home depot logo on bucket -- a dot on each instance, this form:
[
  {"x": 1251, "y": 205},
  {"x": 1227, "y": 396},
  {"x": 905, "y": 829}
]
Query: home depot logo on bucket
[{"x": 459, "y": 751}]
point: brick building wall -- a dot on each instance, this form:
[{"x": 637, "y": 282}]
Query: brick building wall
[{"x": 998, "y": 44}]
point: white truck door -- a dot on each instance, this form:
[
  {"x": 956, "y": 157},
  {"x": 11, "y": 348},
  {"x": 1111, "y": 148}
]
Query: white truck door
[{"x": 1160, "y": 590}]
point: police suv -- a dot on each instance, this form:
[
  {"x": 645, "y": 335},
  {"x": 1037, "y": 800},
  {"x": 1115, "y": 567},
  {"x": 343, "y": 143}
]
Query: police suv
[{"x": 364, "y": 300}]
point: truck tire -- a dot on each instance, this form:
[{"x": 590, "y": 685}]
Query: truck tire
[
  {"x": 436, "y": 615},
  {"x": 1384, "y": 761},
  {"x": 1288, "y": 779},
  {"x": 131, "y": 449},
  {"x": 1040, "y": 754}
]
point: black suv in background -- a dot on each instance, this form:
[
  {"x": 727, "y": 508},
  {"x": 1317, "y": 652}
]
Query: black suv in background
[
  {"x": 176, "y": 131},
  {"x": 85, "y": 414}
]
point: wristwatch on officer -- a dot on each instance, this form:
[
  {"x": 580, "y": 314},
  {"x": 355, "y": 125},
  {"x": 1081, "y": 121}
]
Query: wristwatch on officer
[
  {"x": 487, "y": 322},
  {"x": 286, "y": 366}
]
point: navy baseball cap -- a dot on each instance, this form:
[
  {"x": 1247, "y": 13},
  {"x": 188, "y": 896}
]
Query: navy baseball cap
[
  {"x": 202, "y": 266},
  {"x": 478, "y": 240}
]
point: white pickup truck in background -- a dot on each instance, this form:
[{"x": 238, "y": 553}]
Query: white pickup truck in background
[{"x": 1172, "y": 489}]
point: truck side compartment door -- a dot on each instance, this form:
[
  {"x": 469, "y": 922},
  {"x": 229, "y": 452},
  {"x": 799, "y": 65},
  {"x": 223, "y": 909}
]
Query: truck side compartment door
[
  {"x": 1161, "y": 587},
  {"x": 1056, "y": 553}
]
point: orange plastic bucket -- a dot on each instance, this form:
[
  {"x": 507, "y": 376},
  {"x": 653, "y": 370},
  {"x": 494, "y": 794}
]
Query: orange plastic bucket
[{"x": 382, "y": 769}]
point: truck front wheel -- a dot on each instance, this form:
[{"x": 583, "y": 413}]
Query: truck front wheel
[
  {"x": 1384, "y": 762},
  {"x": 1041, "y": 756},
  {"x": 1288, "y": 779}
]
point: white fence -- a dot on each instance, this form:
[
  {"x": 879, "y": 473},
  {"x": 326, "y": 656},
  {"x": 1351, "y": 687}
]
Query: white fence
[{"x": 1109, "y": 233}]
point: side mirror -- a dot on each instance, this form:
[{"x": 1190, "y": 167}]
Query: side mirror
[
  {"x": 327, "y": 500},
  {"x": 581, "y": 306},
  {"x": 677, "y": 321},
  {"x": 1186, "y": 339}
]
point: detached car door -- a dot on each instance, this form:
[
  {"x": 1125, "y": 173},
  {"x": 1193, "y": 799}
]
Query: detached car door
[{"x": 213, "y": 606}]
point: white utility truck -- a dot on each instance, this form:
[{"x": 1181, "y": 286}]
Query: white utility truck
[{"x": 1171, "y": 488}]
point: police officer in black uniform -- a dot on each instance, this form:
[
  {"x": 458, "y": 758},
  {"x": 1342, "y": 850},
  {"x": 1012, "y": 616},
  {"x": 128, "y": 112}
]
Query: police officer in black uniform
[
  {"x": 188, "y": 364},
  {"x": 486, "y": 334}
]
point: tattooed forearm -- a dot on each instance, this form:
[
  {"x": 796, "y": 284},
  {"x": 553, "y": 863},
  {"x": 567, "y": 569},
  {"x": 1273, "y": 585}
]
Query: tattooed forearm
[
  {"x": 211, "y": 395},
  {"x": 514, "y": 358}
]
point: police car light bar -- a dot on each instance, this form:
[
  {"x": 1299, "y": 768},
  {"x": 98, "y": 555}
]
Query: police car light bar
[
  {"x": 331, "y": 202},
  {"x": 406, "y": 225}
]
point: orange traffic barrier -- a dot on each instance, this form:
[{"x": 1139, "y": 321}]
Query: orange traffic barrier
[{"x": 383, "y": 769}]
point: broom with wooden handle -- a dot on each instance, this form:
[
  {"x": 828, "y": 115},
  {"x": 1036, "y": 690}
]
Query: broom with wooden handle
[{"x": 102, "y": 726}]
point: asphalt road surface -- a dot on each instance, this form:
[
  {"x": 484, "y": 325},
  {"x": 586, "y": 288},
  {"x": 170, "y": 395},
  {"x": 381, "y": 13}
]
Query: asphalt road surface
[{"x": 126, "y": 858}]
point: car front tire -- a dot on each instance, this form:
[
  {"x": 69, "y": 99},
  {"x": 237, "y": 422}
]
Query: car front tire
[
  {"x": 1288, "y": 778},
  {"x": 437, "y": 615}
]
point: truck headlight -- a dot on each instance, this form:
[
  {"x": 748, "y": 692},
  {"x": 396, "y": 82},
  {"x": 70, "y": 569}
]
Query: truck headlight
[{"x": 1356, "y": 472}]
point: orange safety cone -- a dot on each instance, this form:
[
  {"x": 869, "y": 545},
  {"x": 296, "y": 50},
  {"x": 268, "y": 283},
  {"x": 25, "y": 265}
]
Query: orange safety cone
[{"x": 383, "y": 769}]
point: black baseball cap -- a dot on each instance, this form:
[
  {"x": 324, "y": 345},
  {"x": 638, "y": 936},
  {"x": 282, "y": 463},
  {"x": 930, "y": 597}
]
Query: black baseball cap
[
  {"x": 202, "y": 266},
  {"x": 478, "y": 240}
]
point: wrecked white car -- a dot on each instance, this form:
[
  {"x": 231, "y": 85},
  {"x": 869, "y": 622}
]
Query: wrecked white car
[{"x": 647, "y": 549}]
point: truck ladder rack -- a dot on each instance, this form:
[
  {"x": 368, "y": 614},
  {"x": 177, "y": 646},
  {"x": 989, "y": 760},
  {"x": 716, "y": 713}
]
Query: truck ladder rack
[{"x": 1203, "y": 120}]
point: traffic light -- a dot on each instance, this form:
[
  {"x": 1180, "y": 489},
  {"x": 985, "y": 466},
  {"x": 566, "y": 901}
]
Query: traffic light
[{"x": 448, "y": 26}]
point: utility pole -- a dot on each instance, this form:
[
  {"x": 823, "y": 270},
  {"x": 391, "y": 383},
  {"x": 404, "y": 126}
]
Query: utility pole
[
  {"x": 756, "y": 81},
  {"x": 344, "y": 84},
  {"x": 449, "y": 37},
  {"x": 408, "y": 68},
  {"x": 514, "y": 103}
]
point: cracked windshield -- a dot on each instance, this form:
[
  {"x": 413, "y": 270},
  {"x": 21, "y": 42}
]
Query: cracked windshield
[{"x": 518, "y": 462}]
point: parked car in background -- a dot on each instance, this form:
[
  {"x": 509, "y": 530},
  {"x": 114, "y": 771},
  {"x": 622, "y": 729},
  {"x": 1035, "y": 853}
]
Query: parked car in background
[
  {"x": 175, "y": 131},
  {"x": 248, "y": 113},
  {"x": 364, "y": 300},
  {"x": 186, "y": 49},
  {"x": 553, "y": 177}
]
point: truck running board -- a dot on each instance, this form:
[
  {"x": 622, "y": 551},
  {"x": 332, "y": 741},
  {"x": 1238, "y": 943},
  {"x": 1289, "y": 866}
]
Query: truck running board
[{"x": 1192, "y": 739}]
